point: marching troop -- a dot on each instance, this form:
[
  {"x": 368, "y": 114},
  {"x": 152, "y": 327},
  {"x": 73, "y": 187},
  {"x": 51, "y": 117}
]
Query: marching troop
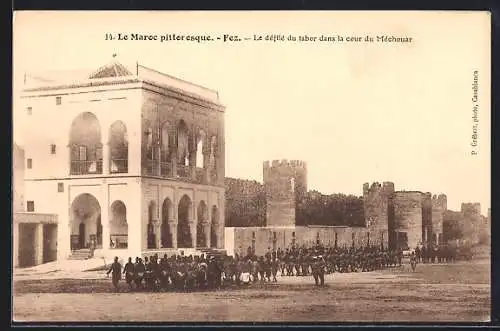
[{"x": 188, "y": 273}]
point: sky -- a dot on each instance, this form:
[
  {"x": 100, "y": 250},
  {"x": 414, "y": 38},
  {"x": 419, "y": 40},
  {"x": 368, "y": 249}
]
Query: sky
[{"x": 354, "y": 111}]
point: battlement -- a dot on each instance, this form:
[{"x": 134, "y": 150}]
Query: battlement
[
  {"x": 284, "y": 163},
  {"x": 439, "y": 201},
  {"x": 471, "y": 207},
  {"x": 376, "y": 187},
  {"x": 409, "y": 195}
]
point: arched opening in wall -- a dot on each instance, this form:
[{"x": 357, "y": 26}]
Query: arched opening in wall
[
  {"x": 85, "y": 215},
  {"x": 151, "y": 235},
  {"x": 118, "y": 225},
  {"x": 118, "y": 148},
  {"x": 275, "y": 240},
  {"x": 368, "y": 239},
  {"x": 202, "y": 220},
  {"x": 166, "y": 166},
  {"x": 182, "y": 149},
  {"x": 336, "y": 241},
  {"x": 353, "y": 237},
  {"x": 293, "y": 239},
  {"x": 215, "y": 227},
  {"x": 85, "y": 144},
  {"x": 184, "y": 239},
  {"x": 434, "y": 239},
  {"x": 166, "y": 215}
]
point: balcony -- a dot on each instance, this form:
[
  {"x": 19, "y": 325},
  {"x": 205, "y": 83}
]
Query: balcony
[
  {"x": 118, "y": 166},
  {"x": 86, "y": 167}
]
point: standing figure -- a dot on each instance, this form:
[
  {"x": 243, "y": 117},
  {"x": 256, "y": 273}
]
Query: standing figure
[
  {"x": 413, "y": 261},
  {"x": 128, "y": 270},
  {"x": 116, "y": 270},
  {"x": 318, "y": 270}
]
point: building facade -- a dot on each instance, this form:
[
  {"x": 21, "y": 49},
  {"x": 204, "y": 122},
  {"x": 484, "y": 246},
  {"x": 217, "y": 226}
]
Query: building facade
[{"x": 130, "y": 160}]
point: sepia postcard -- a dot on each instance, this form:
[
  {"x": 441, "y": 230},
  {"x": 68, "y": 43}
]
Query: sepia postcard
[{"x": 264, "y": 166}]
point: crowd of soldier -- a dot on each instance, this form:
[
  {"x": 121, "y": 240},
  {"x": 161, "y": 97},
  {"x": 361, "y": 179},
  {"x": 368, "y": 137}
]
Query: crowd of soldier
[{"x": 186, "y": 273}]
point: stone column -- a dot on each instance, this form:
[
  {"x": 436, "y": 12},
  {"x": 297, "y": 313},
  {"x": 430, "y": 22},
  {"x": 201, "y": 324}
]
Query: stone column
[
  {"x": 206, "y": 232},
  {"x": 206, "y": 165},
  {"x": 172, "y": 227},
  {"x": 192, "y": 163},
  {"x": 192, "y": 229},
  {"x": 215, "y": 228},
  {"x": 174, "y": 162},
  {"x": 38, "y": 244},
  {"x": 106, "y": 160},
  {"x": 106, "y": 217}
]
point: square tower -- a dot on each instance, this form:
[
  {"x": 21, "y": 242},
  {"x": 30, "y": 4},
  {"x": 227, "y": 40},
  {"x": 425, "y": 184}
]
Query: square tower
[{"x": 285, "y": 182}]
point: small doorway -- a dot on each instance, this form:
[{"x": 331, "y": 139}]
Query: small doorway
[
  {"x": 27, "y": 249},
  {"x": 49, "y": 242},
  {"x": 81, "y": 235}
]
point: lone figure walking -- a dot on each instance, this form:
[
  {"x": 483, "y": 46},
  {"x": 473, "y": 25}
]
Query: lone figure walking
[{"x": 116, "y": 270}]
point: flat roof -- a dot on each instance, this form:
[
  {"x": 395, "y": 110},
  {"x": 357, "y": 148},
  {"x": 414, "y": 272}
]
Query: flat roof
[{"x": 114, "y": 73}]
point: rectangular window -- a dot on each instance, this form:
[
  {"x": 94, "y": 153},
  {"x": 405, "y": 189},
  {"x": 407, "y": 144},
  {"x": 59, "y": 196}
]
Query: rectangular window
[
  {"x": 53, "y": 149},
  {"x": 29, "y": 110},
  {"x": 29, "y": 163},
  {"x": 58, "y": 100},
  {"x": 60, "y": 187},
  {"x": 30, "y": 205}
]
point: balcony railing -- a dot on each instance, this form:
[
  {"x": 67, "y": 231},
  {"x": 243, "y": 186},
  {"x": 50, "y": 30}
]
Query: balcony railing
[
  {"x": 166, "y": 169},
  {"x": 183, "y": 171},
  {"x": 86, "y": 167},
  {"x": 118, "y": 241},
  {"x": 200, "y": 174},
  {"x": 152, "y": 168},
  {"x": 118, "y": 166}
]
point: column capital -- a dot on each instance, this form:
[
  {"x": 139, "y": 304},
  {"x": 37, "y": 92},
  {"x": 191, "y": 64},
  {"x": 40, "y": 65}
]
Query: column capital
[{"x": 172, "y": 222}]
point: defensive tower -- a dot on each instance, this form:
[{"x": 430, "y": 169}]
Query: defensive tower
[
  {"x": 377, "y": 200},
  {"x": 439, "y": 206},
  {"x": 285, "y": 182}
]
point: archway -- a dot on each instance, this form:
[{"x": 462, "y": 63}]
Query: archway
[
  {"x": 85, "y": 144},
  {"x": 214, "y": 227},
  {"x": 151, "y": 234},
  {"x": 85, "y": 216},
  {"x": 118, "y": 148},
  {"x": 202, "y": 220},
  {"x": 184, "y": 239},
  {"x": 166, "y": 215},
  {"x": 118, "y": 226}
]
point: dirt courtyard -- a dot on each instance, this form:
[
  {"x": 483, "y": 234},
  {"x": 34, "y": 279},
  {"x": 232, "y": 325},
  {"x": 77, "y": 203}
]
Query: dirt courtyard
[{"x": 439, "y": 292}]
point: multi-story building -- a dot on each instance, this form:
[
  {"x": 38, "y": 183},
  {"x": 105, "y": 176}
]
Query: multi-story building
[{"x": 129, "y": 160}]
